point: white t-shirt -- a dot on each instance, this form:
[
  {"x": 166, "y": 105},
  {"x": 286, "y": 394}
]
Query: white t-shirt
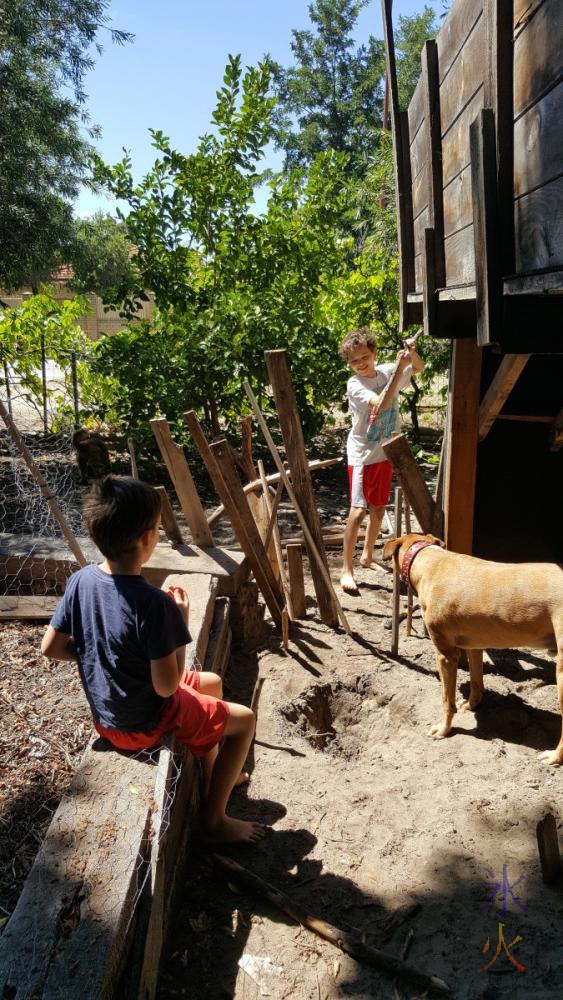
[{"x": 360, "y": 391}]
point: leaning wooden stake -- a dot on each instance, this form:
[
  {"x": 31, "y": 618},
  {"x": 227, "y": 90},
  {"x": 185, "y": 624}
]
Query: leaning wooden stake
[
  {"x": 398, "y": 452},
  {"x": 296, "y": 580},
  {"x": 396, "y": 577},
  {"x": 133, "y": 457},
  {"x": 550, "y": 859},
  {"x": 43, "y": 486},
  {"x": 292, "y": 433},
  {"x": 184, "y": 485},
  {"x": 285, "y": 479},
  {"x": 408, "y": 529},
  {"x": 276, "y": 537},
  {"x": 345, "y": 940},
  {"x": 169, "y": 522}
]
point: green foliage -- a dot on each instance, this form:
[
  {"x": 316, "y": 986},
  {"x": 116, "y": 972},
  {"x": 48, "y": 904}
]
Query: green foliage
[
  {"x": 332, "y": 97},
  {"x": 227, "y": 283},
  {"x": 41, "y": 322},
  {"x": 101, "y": 258},
  {"x": 411, "y": 34},
  {"x": 46, "y": 50}
]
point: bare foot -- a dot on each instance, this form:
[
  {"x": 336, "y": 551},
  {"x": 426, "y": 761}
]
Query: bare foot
[
  {"x": 243, "y": 779},
  {"x": 235, "y": 831},
  {"x": 348, "y": 584}
]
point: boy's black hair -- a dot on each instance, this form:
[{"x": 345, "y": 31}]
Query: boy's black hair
[
  {"x": 117, "y": 510},
  {"x": 357, "y": 338}
]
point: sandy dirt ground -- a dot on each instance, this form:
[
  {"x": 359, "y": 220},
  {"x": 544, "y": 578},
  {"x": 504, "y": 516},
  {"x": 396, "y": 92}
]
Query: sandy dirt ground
[{"x": 375, "y": 827}]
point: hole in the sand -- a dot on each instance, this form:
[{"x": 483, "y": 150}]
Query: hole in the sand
[{"x": 329, "y": 715}]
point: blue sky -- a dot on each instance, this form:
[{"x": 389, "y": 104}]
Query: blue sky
[{"x": 167, "y": 77}]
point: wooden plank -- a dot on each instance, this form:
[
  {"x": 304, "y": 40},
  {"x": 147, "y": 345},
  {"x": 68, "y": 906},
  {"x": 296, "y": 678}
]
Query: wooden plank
[
  {"x": 488, "y": 283},
  {"x": 458, "y": 203},
  {"x": 429, "y": 299},
  {"x": 27, "y": 608},
  {"x": 396, "y": 600},
  {"x": 169, "y": 522},
  {"x": 292, "y": 433},
  {"x": 419, "y": 152},
  {"x": 455, "y": 30},
  {"x": 420, "y": 187},
  {"x": 456, "y": 154},
  {"x": 202, "y": 593},
  {"x": 183, "y": 483},
  {"x": 523, "y": 11},
  {"x": 548, "y": 846},
  {"x": 525, "y": 418},
  {"x": 539, "y": 228},
  {"x": 219, "y": 644},
  {"x": 274, "y": 539},
  {"x": 416, "y": 109},
  {"x": 462, "y": 430},
  {"x": 434, "y": 155},
  {"x": 399, "y": 453},
  {"x": 460, "y": 257},
  {"x": 465, "y": 77},
  {"x": 294, "y": 554},
  {"x": 245, "y": 529},
  {"x": 543, "y": 283},
  {"x": 537, "y": 56},
  {"x": 498, "y": 96},
  {"x": 538, "y": 143},
  {"x": 420, "y": 225},
  {"x": 505, "y": 379},
  {"x": 556, "y": 436},
  {"x": 229, "y": 567}
]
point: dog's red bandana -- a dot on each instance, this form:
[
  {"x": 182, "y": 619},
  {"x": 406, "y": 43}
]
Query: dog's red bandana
[{"x": 409, "y": 558}]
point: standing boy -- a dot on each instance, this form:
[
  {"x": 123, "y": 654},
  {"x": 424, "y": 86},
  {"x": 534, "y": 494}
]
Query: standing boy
[
  {"x": 129, "y": 641},
  {"x": 369, "y": 471}
]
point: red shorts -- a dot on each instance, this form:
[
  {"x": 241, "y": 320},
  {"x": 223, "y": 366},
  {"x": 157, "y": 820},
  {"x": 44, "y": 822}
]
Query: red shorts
[
  {"x": 197, "y": 720},
  {"x": 370, "y": 484}
]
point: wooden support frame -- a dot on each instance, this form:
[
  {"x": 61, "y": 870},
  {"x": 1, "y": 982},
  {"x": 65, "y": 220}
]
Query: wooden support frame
[
  {"x": 398, "y": 452},
  {"x": 462, "y": 431},
  {"x": 292, "y": 433},
  {"x": 499, "y": 390},
  {"x": 179, "y": 472},
  {"x": 488, "y": 274},
  {"x": 246, "y": 530}
]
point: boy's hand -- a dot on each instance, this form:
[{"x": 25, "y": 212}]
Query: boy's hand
[
  {"x": 404, "y": 359},
  {"x": 181, "y": 599}
]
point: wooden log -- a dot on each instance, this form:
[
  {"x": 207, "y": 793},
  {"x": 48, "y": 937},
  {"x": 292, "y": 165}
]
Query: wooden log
[
  {"x": 548, "y": 846},
  {"x": 272, "y": 479},
  {"x": 183, "y": 483},
  {"x": 311, "y": 545},
  {"x": 505, "y": 379},
  {"x": 294, "y": 553},
  {"x": 398, "y": 452},
  {"x": 276, "y": 563},
  {"x": 462, "y": 429},
  {"x": 292, "y": 433},
  {"x": 396, "y": 606},
  {"x": 488, "y": 277},
  {"x": 43, "y": 487},
  {"x": 245, "y": 529},
  {"x": 345, "y": 940},
  {"x": 169, "y": 522}
]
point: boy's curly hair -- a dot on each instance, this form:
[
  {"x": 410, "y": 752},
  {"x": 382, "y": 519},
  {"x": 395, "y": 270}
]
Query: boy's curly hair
[
  {"x": 117, "y": 511},
  {"x": 363, "y": 337}
]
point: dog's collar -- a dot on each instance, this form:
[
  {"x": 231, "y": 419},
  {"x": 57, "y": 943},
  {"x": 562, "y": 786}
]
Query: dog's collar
[{"x": 410, "y": 556}]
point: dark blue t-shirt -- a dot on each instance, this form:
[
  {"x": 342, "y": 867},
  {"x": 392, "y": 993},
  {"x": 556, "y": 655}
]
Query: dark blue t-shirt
[{"x": 118, "y": 625}]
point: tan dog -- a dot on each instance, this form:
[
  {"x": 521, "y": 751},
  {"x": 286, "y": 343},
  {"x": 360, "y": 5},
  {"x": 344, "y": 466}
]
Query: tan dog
[{"x": 472, "y": 604}]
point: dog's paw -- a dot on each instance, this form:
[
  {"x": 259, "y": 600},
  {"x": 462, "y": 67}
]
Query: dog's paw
[
  {"x": 439, "y": 732},
  {"x": 467, "y": 706},
  {"x": 553, "y": 757}
]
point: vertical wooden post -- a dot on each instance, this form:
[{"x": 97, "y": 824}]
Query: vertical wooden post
[
  {"x": 284, "y": 396},
  {"x": 488, "y": 275},
  {"x": 296, "y": 578},
  {"x": 277, "y": 563},
  {"x": 548, "y": 846},
  {"x": 462, "y": 431},
  {"x": 498, "y": 95},
  {"x": 429, "y": 284},
  {"x": 396, "y": 577},
  {"x": 134, "y": 469},
  {"x": 184, "y": 485},
  {"x": 169, "y": 522},
  {"x": 408, "y": 529},
  {"x": 246, "y": 530},
  {"x": 431, "y": 80}
]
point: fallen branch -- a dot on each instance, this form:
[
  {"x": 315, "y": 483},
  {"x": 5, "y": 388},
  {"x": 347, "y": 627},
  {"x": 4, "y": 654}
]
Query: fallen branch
[{"x": 346, "y": 941}]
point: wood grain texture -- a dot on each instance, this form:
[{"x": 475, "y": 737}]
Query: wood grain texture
[
  {"x": 460, "y": 257},
  {"x": 537, "y": 55},
  {"x": 499, "y": 390},
  {"x": 458, "y": 203},
  {"x": 538, "y": 143},
  {"x": 455, "y": 141},
  {"x": 523, "y": 10},
  {"x": 461, "y": 466},
  {"x": 27, "y": 608},
  {"x": 399, "y": 453},
  {"x": 294, "y": 554},
  {"x": 538, "y": 220},
  {"x": 486, "y": 229},
  {"x": 168, "y": 517},
  {"x": 419, "y": 151},
  {"x": 416, "y": 109},
  {"x": 455, "y": 30},
  {"x": 465, "y": 77},
  {"x": 183, "y": 483}
]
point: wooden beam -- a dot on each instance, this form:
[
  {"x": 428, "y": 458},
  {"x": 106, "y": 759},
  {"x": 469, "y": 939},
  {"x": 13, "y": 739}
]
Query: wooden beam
[
  {"x": 499, "y": 390},
  {"x": 548, "y": 846},
  {"x": 488, "y": 274},
  {"x": 498, "y": 95},
  {"x": 246, "y": 530},
  {"x": 462, "y": 429},
  {"x": 431, "y": 84},
  {"x": 294, "y": 553},
  {"x": 169, "y": 522},
  {"x": 557, "y": 432},
  {"x": 396, "y": 607},
  {"x": 27, "y": 608},
  {"x": 429, "y": 287},
  {"x": 398, "y": 452},
  {"x": 286, "y": 405},
  {"x": 272, "y": 479},
  {"x": 183, "y": 483}
]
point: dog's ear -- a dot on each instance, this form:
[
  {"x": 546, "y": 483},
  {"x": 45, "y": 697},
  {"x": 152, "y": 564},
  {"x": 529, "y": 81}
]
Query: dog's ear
[
  {"x": 391, "y": 547},
  {"x": 435, "y": 541}
]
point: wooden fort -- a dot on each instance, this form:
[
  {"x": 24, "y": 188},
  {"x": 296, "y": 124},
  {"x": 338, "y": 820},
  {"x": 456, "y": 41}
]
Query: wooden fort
[{"x": 479, "y": 181}]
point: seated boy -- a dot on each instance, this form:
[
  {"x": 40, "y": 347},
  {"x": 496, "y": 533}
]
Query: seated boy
[
  {"x": 129, "y": 640},
  {"x": 369, "y": 471}
]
